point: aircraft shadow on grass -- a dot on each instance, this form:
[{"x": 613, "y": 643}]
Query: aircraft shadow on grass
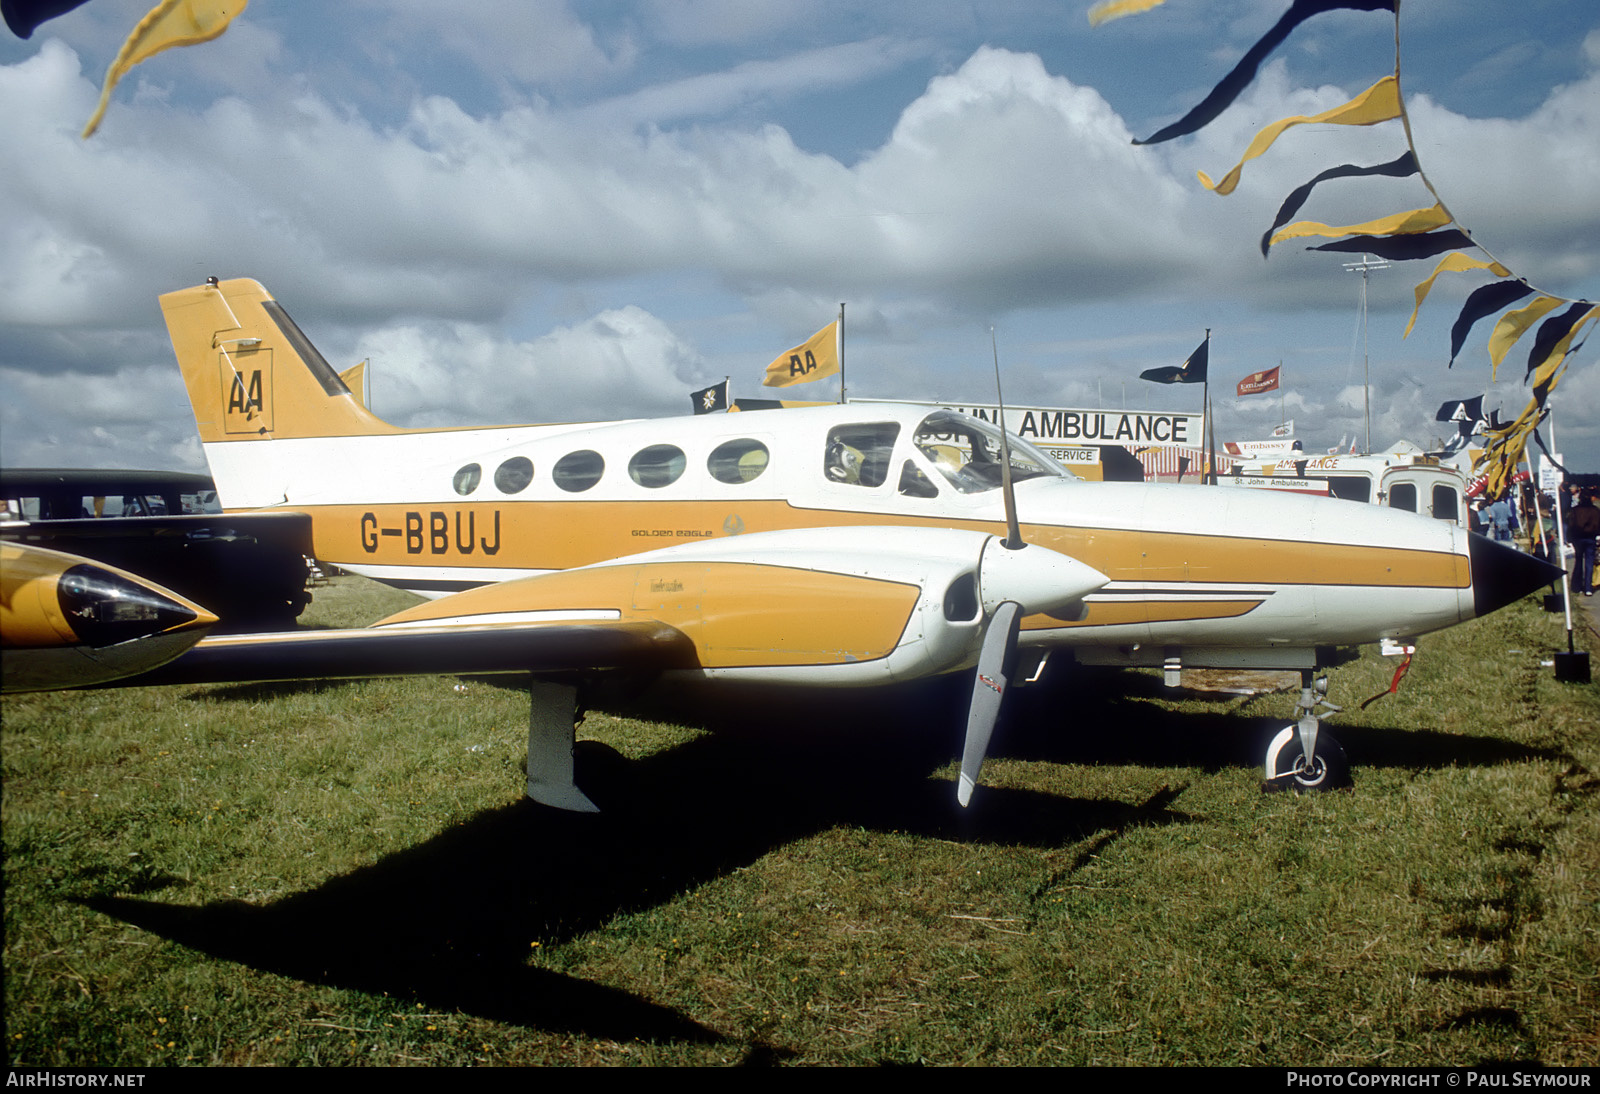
[
  {"x": 1067, "y": 723},
  {"x": 450, "y": 922}
]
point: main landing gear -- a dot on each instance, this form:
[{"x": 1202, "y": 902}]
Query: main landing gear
[{"x": 1301, "y": 757}]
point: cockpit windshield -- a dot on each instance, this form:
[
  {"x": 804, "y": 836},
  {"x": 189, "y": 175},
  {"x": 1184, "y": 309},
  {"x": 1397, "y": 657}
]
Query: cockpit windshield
[{"x": 967, "y": 452}]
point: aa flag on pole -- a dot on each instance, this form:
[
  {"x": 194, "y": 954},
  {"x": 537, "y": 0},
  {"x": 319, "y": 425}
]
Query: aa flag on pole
[
  {"x": 816, "y": 357},
  {"x": 1257, "y": 382},
  {"x": 1192, "y": 371},
  {"x": 709, "y": 399}
]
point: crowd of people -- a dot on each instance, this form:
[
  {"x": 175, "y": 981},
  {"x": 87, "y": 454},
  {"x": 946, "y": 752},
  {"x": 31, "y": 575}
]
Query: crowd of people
[{"x": 1523, "y": 515}]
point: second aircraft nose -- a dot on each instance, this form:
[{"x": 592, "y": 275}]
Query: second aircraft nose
[{"x": 1502, "y": 574}]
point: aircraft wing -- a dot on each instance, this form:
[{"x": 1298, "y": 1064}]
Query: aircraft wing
[
  {"x": 819, "y": 607},
  {"x": 554, "y": 647}
]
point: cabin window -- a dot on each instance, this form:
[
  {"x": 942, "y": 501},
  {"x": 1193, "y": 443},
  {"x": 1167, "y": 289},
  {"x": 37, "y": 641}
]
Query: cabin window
[
  {"x": 1403, "y": 495},
  {"x": 739, "y": 461},
  {"x": 657, "y": 466},
  {"x": 513, "y": 476},
  {"x": 1446, "y": 504},
  {"x": 577, "y": 471},
  {"x": 467, "y": 479},
  {"x": 860, "y": 454}
]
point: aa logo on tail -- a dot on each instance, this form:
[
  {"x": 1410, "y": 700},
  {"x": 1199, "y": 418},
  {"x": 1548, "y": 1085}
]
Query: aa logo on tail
[{"x": 247, "y": 392}]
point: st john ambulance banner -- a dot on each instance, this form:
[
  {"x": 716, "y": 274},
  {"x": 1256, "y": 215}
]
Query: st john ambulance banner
[{"x": 1062, "y": 427}]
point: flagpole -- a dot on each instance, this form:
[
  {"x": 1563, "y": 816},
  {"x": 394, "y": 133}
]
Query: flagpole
[{"x": 1205, "y": 408}]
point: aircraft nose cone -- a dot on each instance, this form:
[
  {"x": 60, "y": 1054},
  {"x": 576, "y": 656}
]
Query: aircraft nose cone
[
  {"x": 1039, "y": 579},
  {"x": 104, "y": 607},
  {"x": 1501, "y": 574}
]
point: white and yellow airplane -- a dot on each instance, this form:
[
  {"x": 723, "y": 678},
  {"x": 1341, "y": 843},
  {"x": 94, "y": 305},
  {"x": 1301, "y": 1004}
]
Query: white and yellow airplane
[
  {"x": 67, "y": 621},
  {"x": 836, "y": 545}
]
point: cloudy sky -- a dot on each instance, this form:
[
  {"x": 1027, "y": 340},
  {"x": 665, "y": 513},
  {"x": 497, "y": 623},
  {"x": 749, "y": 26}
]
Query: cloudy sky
[{"x": 541, "y": 210}]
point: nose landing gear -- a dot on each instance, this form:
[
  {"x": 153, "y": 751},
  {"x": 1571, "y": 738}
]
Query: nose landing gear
[{"x": 1301, "y": 757}]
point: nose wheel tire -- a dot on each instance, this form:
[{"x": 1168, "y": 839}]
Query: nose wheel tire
[{"x": 1287, "y": 769}]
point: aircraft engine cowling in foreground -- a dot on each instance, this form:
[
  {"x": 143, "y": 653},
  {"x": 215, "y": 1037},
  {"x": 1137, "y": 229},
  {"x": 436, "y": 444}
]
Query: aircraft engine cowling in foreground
[
  {"x": 68, "y": 622},
  {"x": 817, "y": 545}
]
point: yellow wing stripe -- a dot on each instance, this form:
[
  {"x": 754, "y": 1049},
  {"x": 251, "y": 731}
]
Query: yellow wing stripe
[{"x": 736, "y": 614}]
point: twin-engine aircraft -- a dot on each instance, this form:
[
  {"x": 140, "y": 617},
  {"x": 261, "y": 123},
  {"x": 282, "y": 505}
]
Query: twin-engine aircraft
[{"x": 834, "y": 546}]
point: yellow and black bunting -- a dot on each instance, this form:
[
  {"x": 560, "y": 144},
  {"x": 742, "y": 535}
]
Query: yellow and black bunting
[
  {"x": 1404, "y": 165},
  {"x": 1415, "y": 234},
  {"x": 1234, "y": 83}
]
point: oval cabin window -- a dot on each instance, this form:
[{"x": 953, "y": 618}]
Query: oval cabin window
[
  {"x": 467, "y": 479},
  {"x": 513, "y": 476},
  {"x": 739, "y": 461},
  {"x": 577, "y": 471},
  {"x": 657, "y": 466}
]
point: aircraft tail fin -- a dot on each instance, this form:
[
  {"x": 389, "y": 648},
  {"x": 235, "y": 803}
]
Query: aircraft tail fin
[{"x": 252, "y": 374}]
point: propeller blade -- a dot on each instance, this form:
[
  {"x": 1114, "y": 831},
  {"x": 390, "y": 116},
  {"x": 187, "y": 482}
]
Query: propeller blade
[{"x": 995, "y": 663}]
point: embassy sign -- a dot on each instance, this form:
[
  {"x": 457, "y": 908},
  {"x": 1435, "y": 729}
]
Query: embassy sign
[{"x": 1061, "y": 426}]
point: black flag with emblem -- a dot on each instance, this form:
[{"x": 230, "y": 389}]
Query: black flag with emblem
[
  {"x": 1192, "y": 371},
  {"x": 709, "y": 399}
]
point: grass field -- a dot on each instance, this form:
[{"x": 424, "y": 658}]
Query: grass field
[{"x": 346, "y": 874}]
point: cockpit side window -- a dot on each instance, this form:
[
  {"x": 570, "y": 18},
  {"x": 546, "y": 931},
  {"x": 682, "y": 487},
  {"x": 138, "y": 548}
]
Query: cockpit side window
[
  {"x": 860, "y": 454},
  {"x": 968, "y": 453},
  {"x": 914, "y": 484}
]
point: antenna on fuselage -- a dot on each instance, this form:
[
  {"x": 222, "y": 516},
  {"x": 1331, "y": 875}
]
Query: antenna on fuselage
[{"x": 1013, "y": 539}]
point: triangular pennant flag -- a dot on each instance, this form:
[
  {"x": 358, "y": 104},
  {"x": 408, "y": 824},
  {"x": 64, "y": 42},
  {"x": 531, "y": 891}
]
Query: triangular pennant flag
[
  {"x": 1451, "y": 263},
  {"x": 1514, "y": 324},
  {"x": 1405, "y": 164},
  {"x": 1378, "y": 103},
  {"x": 1484, "y": 301},
  {"x": 170, "y": 23},
  {"x": 24, "y": 16},
  {"x": 1244, "y": 72},
  {"x": 1407, "y": 223},
  {"x": 1107, "y": 10},
  {"x": 1401, "y": 248},
  {"x": 1555, "y": 336}
]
